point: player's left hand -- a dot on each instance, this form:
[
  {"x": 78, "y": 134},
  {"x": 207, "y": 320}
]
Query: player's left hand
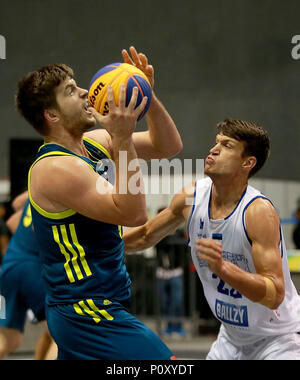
[
  {"x": 140, "y": 61},
  {"x": 210, "y": 251}
]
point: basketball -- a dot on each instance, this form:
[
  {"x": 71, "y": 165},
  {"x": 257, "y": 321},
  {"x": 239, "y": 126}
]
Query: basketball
[{"x": 114, "y": 75}]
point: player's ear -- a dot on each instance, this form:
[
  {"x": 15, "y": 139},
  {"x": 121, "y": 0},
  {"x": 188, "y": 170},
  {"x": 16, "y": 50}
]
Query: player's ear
[
  {"x": 51, "y": 115},
  {"x": 249, "y": 162}
]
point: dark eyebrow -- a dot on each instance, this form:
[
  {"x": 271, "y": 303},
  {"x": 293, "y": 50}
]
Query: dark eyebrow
[
  {"x": 225, "y": 141},
  {"x": 69, "y": 85}
]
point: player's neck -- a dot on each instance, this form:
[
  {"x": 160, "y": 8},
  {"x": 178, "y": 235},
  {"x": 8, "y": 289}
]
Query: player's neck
[
  {"x": 71, "y": 141},
  {"x": 227, "y": 193}
]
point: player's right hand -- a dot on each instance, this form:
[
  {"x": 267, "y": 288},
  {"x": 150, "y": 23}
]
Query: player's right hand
[{"x": 121, "y": 121}]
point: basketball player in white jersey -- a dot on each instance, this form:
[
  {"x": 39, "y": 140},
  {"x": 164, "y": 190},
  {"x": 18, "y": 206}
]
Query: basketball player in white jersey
[{"x": 244, "y": 272}]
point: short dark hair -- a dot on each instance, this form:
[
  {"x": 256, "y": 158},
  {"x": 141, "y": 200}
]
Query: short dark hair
[
  {"x": 255, "y": 138},
  {"x": 36, "y": 92}
]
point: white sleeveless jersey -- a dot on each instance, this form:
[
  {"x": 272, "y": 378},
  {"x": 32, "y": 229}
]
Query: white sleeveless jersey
[{"x": 244, "y": 321}]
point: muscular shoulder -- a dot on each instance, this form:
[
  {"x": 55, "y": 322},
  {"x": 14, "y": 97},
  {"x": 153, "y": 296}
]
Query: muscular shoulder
[
  {"x": 58, "y": 172},
  {"x": 261, "y": 208},
  {"x": 58, "y": 165},
  {"x": 262, "y": 220}
]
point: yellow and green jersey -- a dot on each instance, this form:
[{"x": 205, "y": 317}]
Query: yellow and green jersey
[{"x": 81, "y": 257}]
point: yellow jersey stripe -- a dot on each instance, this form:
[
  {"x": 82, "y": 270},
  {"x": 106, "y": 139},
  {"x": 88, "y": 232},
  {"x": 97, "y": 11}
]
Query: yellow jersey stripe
[
  {"x": 72, "y": 250},
  {"x": 120, "y": 231},
  {"x": 103, "y": 312},
  {"x": 49, "y": 143},
  {"x": 78, "y": 310},
  {"x": 90, "y": 312},
  {"x": 63, "y": 251},
  {"x": 80, "y": 250}
]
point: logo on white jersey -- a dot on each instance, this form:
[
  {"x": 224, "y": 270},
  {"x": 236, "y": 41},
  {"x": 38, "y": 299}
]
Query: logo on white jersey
[{"x": 232, "y": 314}]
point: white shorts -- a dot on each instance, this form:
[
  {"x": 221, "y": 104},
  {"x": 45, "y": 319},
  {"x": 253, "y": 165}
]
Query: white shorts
[{"x": 282, "y": 347}]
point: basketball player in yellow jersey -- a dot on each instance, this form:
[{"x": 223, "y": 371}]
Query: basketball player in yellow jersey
[{"x": 76, "y": 225}]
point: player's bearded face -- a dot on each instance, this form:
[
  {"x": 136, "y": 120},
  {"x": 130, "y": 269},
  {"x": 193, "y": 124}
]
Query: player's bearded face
[
  {"x": 72, "y": 103},
  {"x": 76, "y": 118}
]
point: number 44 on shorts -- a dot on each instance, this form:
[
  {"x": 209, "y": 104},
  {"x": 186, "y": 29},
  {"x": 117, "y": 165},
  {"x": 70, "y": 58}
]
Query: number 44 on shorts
[{"x": 2, "y": 307}]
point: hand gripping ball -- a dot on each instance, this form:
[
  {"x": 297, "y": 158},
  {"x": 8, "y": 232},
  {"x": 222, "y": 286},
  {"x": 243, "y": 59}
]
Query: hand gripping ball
[{"x": 114, "y": 75}]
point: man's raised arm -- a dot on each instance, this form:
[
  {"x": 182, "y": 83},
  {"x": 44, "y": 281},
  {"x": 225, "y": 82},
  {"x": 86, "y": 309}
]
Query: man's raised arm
[{"x": 164, "y": 224}]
